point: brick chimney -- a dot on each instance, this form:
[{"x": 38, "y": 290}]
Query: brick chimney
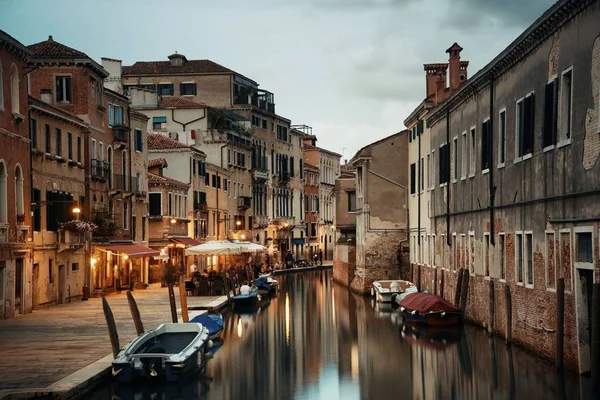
[
  {"x": 435, "y": 76},
  {"x": 458, "y": 69}
]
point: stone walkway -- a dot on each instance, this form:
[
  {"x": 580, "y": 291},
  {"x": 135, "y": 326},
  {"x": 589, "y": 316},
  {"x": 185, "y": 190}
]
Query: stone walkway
[{"x": 43, "y": 347}]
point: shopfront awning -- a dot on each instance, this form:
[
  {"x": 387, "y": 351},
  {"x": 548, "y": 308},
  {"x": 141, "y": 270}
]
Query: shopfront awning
[
  {"x": 132, "y": 250},
  {"x": 187, "y": 241}
]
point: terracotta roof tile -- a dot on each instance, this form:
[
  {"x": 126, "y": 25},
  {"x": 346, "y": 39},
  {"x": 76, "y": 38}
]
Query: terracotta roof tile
[
  {"x": 165, "y": 68},
  {"x": 50, "y": 48},
  {"x": 157, "y": 141},
  {"x": 163, "y": 180},
  {"x": 178, "y": 102},
  {"x": 158, "y": 162}
]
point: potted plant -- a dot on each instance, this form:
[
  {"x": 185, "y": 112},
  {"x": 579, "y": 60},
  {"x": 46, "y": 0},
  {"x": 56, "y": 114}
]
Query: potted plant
[{"x": 78, "y": 226}]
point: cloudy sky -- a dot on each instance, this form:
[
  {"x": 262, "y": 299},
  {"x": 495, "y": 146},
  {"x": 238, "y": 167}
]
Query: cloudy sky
[{"x": 351, "y": 69}]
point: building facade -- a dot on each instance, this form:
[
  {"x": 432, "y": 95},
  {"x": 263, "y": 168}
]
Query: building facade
[
  {"x": 15, "y": 187},
  {"x": 344, "y": 258},
  {"x": 514, "y": 200}
]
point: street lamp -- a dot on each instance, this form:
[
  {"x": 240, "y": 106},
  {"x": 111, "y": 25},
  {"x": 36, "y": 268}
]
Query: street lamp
[
  {"x": 173, "y": 221},
  {"x": 76, "y": 211},
  {"x": 238, "y": 223}
]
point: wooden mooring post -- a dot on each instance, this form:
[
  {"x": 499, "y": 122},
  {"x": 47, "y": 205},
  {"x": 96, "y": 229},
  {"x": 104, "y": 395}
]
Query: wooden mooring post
[
  {"x": 596, "y": 339},
  {"x": 112, "y": 328},
  {"x": 560, "y": 323},
  {"x": 135, "y": 313},
  {"x": 508, "y": 304},
  {"x": 442, "y": 278},
  {"x": 419, "y": 277},
  {"x": 435, "y": 282},
  {"x": 464, "y": 290},
  {"x": 458, "y": 287},
  {"x": 172, "y": 303},
  {"x": 183, "y": 300}
]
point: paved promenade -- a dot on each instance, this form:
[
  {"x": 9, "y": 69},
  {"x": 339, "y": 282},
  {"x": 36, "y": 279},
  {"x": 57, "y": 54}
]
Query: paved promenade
[{"x": 41, "y": 348}]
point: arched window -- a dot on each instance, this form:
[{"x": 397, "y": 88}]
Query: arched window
[
  {"x": 3, "y": 193},
  {"x": 1, "y": 87},
  {"x": 19, "y": 191},
  {"x": 14, "y": 89},
  {"x": 124, "y": 170}
]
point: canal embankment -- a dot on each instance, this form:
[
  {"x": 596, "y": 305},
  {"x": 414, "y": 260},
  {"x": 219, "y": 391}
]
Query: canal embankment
[{"x": 61, "y": 351}]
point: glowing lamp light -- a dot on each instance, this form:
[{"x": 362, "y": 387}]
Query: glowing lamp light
[
  {"x": 173, "y": 221},
  {"x": 238, "y": 223},
  {"x": 243, "y": 237},
  {"x": 285, "y": 225},
  {"x": 125, "y": 256},
  {"x": 76, "y": 210}
]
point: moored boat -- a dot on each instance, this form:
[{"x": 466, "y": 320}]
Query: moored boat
[
  {"x": 385, "y": 290},
  {"x": 167, "y": 352},
  {"x": 212, "y": 322},
  {"x": 429, "y": 309},
  {"x": 266, "y": 286},
  {"x": 246, "y": 301}
]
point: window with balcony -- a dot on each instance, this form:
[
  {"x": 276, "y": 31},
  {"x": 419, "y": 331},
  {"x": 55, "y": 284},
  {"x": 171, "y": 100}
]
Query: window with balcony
[
  {"x": 48, "y": 137},
  {"x": 58, "y": 137},
  {"x": 165, "y": 89},
  {"x": 63, "y": 89},
  {"x": 187, "y": 89},
  {"x": 115, "y": 115}
]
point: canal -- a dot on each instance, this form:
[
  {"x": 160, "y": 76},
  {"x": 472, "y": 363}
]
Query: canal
[{"x": 317, "y": 340}]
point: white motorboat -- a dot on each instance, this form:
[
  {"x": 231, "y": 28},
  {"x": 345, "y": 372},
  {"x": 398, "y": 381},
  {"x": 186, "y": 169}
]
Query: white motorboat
[
  {"x": 167, "y": 352},
  {"x": 385, "y": 290}
]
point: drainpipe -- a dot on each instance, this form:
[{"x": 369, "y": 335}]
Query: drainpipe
[
  {"x": 448, "y": 238},
  {"x": 184, "y": 124},
  {"x": 492, "y": 189},
  {"x": 419, "y": 187},
  {"x": 131, "y": 227}
]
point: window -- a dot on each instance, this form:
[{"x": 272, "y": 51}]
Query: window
[
  {"x": 74, "y": 267},
  {"x": 115, "y": 115},
  {"x": 101, "y": 151},
  {"x": 501, "y": 258},
  {"x": 502, "y": 138},
  {"x": 37, "y": 210},
  {"x": 125, "y": 216},
  {"x": 143, "y": 228},
  {"x": 3, "y": 193},
  {"x": 463, "y": 154},
  {"x": 19, "y": 191},
  {"x": 15, "y": 101},
  {"x": 94, "y": 155},
  {"x": 224, "y": 184},
  {"x": 565, "y": 258},
  {"x": 585, "y": 248},
  {"x": 486, "y": 253},
  {"x": 529, "y": 255},
  {"x": 63, "y": 89},
  {"x": 485, "y": 146},
  {"x": 413, "y": 177},
  {"x": 157, "y": 123},
  {"x": 69, "y": 145},
  {"x": 472, "y": 153},
  {"x": 519, "y": 256},
  {"x": 170, "y": 205},
  {"x": 155, "y": 204},
  {"x": 50, "y": 271},
  {"x": 351, "y": 201},
  {"x": 566, "y": 104},
  {"x": 444, "y": 164},
  {"x": 214, "y": 181},
  {"x": 525, "y": 125},
  {"x": 549, "y": 120},
  {"x": 139, "y": 146},
  {"x": 422, "y": 174},
  {"x": 78, "y": 148},
  {"x": 432, "y": 171},
  {"x": 187, "y": 89},
  {"x": 165, "y": 89},
  {"x": 1, "y": 88},
  {"x": 58, "y": 137},
  {"x": 550, "y": 260},
  {"x": 455, "y": 155},
  {"x": 48, "y": 139},
  {"x": 282, "y": 133},
  {"x": 471, "y": 252}
]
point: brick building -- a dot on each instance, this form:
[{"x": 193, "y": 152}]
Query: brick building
[
  {"x": 311, "y": 196},
  {"x": 344, "y": 257},
  {"x": 514, "y": 188},
  {"x": 15, "y": 186}
]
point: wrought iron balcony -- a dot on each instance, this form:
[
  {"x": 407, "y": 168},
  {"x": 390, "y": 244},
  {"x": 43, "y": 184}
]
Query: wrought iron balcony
[
  {"x": 124, "y": 183},
  {"x": 120, "y": 133},
  {"x": 244, "y": 202},
  {"x": 100, "y": 169}
]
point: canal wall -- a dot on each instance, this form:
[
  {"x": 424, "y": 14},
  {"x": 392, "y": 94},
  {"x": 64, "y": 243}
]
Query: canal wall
[{"x": 344, "y": 263}]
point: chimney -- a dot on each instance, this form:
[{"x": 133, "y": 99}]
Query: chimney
[
  {"x": 458, "y": 69},
  {"x": 434, "y": 74}
]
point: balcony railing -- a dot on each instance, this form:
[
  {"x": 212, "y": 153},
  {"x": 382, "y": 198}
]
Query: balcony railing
[
  {"x": 260, "y": 175},
  {"x": 100, "y": 169},
  {"x": 124, "y": 183},
  {"x": 284, "y": 177},
  {"x": 200, "y": 206},
  {"x": 120, "y": 133},
  {"x": 244, "y": 202}
]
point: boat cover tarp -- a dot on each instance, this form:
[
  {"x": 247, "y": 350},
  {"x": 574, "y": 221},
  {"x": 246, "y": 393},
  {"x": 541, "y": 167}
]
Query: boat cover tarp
[
  {"x": 214, "y": 323},
  {"x": 262, "y": 283},
  {"x": 244, "y": 296},
  {"x": 425, "y": 303}
]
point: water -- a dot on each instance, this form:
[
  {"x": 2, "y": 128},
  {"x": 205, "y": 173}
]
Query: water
[{"x": 317, "y": 340}]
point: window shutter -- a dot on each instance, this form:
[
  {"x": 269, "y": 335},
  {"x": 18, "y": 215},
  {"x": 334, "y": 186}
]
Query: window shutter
[
  {"x": 68, "y": 88},
  {"x": 59, "y": 91},
  {"x": 420, "y": 128},
  {"x": 484, "y": 146},
  {"x": 292, "y": 166},
  {"x": 412, "y": 178},
  {"x": 547, "y": 115},
  {"x": 194, "y": 86},
  {"x": 555, "y": 111},
  {"x": 529, "y": 120},
  {"x": 181, "y": 89}
]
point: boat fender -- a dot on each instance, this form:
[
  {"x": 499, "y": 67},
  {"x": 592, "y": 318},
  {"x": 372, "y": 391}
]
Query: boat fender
[
  {"x": 210, "y": 344},
  {"x": 372, "y": 291},
  {"x": 402, "y": 309},
  {"x": 209, "y": 355},
  {"x": 117, "y": 372},
  {"x": 443, "y": 313},
  {"x": 413, "y": 312}
]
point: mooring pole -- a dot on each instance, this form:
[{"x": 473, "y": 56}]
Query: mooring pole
[
  {"x": 183, "y": 300},
  {"x": 560, "y": 322},
  {"x": 464, "y": 289},
  {"x": 459, "y": 280},
  {"x": 596, "y": 339},
  {"x": 172, "y": 303},
  {"x": 135, "y": 313},
  {"x": 112, "y": 328},
  {"x": 435, "y": 283}
]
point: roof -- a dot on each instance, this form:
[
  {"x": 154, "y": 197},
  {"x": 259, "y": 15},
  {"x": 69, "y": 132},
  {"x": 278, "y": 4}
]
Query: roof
[
  {"x": 540, "y": 30},
  {"x": 187, "y": 241},
  {"x": 157, "y": 141},
  {"x": 165, "y": 68},
  {"x": 365, "y": 151},
  {"x": 424, "y": 105},
  {"x": 51, "y": 49},
  {"x": 138, "y": 114},
  {"x": 158, "y": 162},
  {"x": 154, "y": 179},
  {"x": 178, "y": 102},
  {"x": 42, "y": 105},
  {"x": 13, "y": 45}
]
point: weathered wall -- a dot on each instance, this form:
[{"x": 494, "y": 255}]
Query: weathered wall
[{"x": 344, "y": 263}]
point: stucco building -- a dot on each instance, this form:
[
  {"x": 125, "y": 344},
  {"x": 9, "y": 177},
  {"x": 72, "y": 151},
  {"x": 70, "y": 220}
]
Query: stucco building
[
  {"x": 344, "y": 257},
  {"x": 15, "y": 170}
]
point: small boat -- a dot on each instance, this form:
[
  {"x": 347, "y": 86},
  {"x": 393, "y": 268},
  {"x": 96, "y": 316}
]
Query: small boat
[
  {"x": 246, "y": 301},
  {"x": 168, "y": 352},
  {"x": 384, "y": 290},
  {"x": 429, "y": 309},
  {"x": 212, "y": 322},
  {"x": 266, "y": 286}
]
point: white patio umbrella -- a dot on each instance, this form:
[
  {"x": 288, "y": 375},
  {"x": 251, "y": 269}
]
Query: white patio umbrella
[
  {"x": 248, "y": 247},
  {"x": 215, "y": 248}
]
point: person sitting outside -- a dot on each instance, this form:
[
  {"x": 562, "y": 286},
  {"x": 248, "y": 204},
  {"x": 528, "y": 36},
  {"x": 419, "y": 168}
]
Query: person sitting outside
[{"x": 245, "y": 289}]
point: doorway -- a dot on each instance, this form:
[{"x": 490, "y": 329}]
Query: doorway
[
  {"x": 34, "y": 281},
  {"x": 584, "y": 281},
  {"x": 18, "y": 285},
  {"x": 62, "y": 283}
]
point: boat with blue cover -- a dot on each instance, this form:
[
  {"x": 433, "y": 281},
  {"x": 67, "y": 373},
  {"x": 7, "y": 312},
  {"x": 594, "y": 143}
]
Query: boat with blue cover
[
  {"x": 212, "y": 322},
  {"x": 246, "y": 301}
]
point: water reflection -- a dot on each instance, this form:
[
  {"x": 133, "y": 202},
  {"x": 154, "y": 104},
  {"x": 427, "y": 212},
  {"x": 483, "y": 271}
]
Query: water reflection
[{"x": 314, "y": 341}]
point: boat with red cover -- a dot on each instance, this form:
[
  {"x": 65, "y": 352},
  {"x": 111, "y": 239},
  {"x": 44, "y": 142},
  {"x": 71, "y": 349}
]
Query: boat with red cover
[{"x": 429, "y": 309}]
